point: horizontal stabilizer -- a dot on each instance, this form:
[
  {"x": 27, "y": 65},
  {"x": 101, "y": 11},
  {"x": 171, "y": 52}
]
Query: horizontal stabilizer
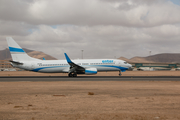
[{"x": 18, "y": 63}]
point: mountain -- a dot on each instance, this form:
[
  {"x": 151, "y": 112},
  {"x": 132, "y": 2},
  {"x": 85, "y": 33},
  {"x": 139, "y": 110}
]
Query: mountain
[
  {"x": 158, "y": 58},
  {"x": 5, "y": 54}
]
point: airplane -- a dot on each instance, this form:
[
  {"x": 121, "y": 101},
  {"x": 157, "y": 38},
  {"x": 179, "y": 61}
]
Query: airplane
[{"x": 73, "y": 67}]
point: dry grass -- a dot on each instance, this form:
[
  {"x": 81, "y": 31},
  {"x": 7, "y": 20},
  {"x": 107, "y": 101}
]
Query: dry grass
[
  {"x": 59, "y": 95},
  {"x": 90, "y": 93},
  {"x": 18, "y": 106}
]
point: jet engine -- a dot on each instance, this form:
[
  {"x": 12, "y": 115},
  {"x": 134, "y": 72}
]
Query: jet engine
[{"x": 90, "y": 71}]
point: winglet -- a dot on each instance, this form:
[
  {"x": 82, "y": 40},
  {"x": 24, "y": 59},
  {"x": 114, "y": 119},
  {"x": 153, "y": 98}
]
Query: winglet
[{"x": 67, "y": 58}]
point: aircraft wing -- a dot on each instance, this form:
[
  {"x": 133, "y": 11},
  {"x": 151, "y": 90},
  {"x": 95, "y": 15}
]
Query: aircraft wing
[{"x": 74, "y": 67}]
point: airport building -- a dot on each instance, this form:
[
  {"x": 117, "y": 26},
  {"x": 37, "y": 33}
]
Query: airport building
[
  {"x": 155, "y": 66},
  {"x": 5, "y": 65}
]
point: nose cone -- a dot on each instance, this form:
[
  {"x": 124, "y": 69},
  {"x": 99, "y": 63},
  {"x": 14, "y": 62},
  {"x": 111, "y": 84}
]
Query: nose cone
[{"x": 130, "y": 67}]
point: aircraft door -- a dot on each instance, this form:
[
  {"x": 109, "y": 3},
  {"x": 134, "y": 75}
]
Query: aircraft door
[{"x": 32, "y": 65}]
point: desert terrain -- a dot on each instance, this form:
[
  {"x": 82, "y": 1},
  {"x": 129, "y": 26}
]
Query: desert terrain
[
  {"x": 112, "y": 100},
  {"x": 90, "y": 100}
]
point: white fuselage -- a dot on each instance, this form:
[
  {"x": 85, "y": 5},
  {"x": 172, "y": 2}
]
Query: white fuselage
[
  {"x": 61, "y": 66},
  {"x": 84, "y": 66}
]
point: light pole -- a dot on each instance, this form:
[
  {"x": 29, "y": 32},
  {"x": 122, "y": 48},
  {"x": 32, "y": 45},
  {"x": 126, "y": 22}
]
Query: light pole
[
  {"x": 149, "y": 61},
  {"x": 82, "y": 53}
]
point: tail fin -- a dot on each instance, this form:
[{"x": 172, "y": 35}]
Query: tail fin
[{"x": 17, "y": 53}]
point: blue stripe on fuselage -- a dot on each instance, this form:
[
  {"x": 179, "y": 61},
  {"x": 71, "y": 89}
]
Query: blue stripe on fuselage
[
  {"x": 123, "y": 69},
  {"x": 12, "y": 49},
  {"x": 37, "y": 69}
]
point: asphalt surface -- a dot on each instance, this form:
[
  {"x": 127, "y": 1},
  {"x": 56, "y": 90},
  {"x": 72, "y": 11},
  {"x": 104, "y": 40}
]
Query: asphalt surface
[{"x": 88, "y": 78}]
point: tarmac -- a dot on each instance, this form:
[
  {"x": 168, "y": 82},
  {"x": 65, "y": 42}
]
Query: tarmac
[{"x": 88, "y": 78}]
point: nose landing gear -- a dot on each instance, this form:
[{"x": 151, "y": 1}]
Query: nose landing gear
[{"x": 120, "y": 73}]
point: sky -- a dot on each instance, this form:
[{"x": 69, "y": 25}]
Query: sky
[{"x": 101, "y": 28}]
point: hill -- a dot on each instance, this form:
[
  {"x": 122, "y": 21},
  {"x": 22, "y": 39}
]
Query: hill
[
  {"x": 158, "y": 58},
  {"x": 5, "y": 54}
]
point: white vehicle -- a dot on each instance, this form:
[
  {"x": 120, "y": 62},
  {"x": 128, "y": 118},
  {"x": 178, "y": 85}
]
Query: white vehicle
[
  {"x": 146, "y": 68},
  {"x": 12, "y": 70},
  {"x": 83, "y": 66}
]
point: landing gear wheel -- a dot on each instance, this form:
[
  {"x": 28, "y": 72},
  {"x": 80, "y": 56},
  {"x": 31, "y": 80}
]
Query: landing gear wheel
[
  {"x": 120, "y": 73},
  {"x": 74, "y": 75},
  {"x": 70, "y": 74}
]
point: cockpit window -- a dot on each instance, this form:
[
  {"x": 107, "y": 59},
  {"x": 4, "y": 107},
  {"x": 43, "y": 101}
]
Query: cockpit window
[{"x": 125, "y": 62}]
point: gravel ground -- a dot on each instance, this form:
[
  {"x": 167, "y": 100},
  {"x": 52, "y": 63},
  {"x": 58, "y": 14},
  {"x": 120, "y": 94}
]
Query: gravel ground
[{"x": 90, "y": 100}]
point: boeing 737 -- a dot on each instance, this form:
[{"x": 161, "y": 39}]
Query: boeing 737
[{"x": 73, "y": 67}]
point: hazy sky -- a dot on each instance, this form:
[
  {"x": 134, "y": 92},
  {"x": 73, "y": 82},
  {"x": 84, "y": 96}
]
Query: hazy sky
[{"x": 102, "y": 28}]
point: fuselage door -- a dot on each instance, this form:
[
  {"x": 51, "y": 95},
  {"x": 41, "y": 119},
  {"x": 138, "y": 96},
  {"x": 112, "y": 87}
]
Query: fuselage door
[{"x": 32, "y": 65}]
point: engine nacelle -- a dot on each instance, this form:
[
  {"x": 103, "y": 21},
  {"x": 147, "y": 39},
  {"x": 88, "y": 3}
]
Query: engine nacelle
[{"x": 90, "y": 71}]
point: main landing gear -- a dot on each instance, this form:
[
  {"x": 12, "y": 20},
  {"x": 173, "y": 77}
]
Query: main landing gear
[
  {"x": 120, "y": 73},
  {"x": 72, "y": 74}
]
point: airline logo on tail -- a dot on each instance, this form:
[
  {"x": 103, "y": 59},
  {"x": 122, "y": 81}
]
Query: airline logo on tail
[{"x": 12, "y": 49}]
